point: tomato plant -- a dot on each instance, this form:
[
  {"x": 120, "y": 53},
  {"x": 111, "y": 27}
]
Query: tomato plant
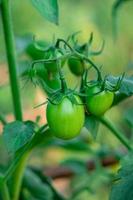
[{"x": 73, "y": 118}]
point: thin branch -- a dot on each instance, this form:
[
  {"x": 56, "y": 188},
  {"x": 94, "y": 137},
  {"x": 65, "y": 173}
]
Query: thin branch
[{"x": 119, "y": 134}]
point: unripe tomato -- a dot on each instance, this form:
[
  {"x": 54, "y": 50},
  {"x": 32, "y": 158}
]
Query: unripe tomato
[
  {"x": 99, "y": 102},
  {"x": 34, "y": 53},
  {"x": 51, "y": 79},
  {"x": 65, "y": 119},
  {"x": 76, "y": 66}
]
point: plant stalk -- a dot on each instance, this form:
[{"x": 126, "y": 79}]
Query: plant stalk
[
  {"x": 12, "y": 66},
  {"x": 5, "y": 192},
  {"x": 11, "y": 56},
  {"x": 116, "y": 132},
  {"x": 18, "y": 176}
]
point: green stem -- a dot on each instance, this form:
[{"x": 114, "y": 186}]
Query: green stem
[
  {"x": 63, "y": 81},
  {"x": 18, "y": 176},
  {"x": 5, "y": 192},
  {"x": 82, "y": 57},
  {"x": 12, "y": 65},
  {"x": 11, "y": 56},
  {"x": 116, "y": 132}
]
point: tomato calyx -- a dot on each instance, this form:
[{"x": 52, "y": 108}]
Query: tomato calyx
[
  {"x": 85, "y": 48},
  {"x": 98, "y": 85}
]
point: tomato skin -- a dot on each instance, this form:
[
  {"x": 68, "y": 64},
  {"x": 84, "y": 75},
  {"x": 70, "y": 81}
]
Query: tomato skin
[
  {"x": 34, "y": 53},
  {"x": 66, "y": 119},
  {"x": 76, "y": 66},
  {"x": 51, "y": 79},
  {"x": 98, "y": 103}
]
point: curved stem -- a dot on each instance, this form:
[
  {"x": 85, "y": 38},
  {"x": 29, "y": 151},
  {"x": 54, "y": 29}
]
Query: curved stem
[
  {"x": 93, "y": 65},
  {"x": 66, "y": 43},
  {"x": 116, "y": 132},
  {"x": 11, "y": 56},
  {"x": 83, "y": 57}
]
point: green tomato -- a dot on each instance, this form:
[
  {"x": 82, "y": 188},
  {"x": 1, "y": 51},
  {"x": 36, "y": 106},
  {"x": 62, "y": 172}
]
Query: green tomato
[
  {"x": 34, "y": 53},
  {"x": 98, "y": 102},
  {"x": 65, "y": 119},
  {"x": 76, "y": 66},
  {"x": 51, "y": 79}
]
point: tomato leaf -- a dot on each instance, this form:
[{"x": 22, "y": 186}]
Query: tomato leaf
[
  {"x": 74, "y": 145},
  {"x": 128, "y": 116},
  {"x": 126, "y": 89},
  {"x": 48, "y": 9},
  {"x": 92, "y": 124},
  {"x": 17, "y": 134},
  {"x": 76, "y": 165},
  {"x": 123, "y": 188},
  {"x": 36, "y": 186}
]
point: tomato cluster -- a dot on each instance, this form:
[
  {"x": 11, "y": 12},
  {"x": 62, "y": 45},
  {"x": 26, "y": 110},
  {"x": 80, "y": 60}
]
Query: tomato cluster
[
  {"x": 67, "y": 108},
  {"x": 47, "y": 71}
]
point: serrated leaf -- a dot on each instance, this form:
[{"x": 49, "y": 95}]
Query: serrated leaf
[
  {"x": 123, "y": 188},
  {"x": 17, "y": 134},
  {"x": 92, "y": 124},
  {"x": 48, "y": 9}
]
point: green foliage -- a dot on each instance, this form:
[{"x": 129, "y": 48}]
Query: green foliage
[
  {"x": 73, "y": 145},
  {"x": 20, "y": 134},
  {"x": 126, "y": 89},
  {"x": 37, "y": 188},
  {"x": 128, "y": 116},
  {"x": 48, "y": 9},
  {"x": 123, "y": 186},
  {"x": 92, "y": 124},
  {"x": 89, "y": 182},
  {"x": 21, "y": 137},
  {"x": 78, "y": 166}
]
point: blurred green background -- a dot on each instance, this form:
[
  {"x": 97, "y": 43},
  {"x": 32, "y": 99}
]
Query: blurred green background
[{"x": 75, "y": 15}]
